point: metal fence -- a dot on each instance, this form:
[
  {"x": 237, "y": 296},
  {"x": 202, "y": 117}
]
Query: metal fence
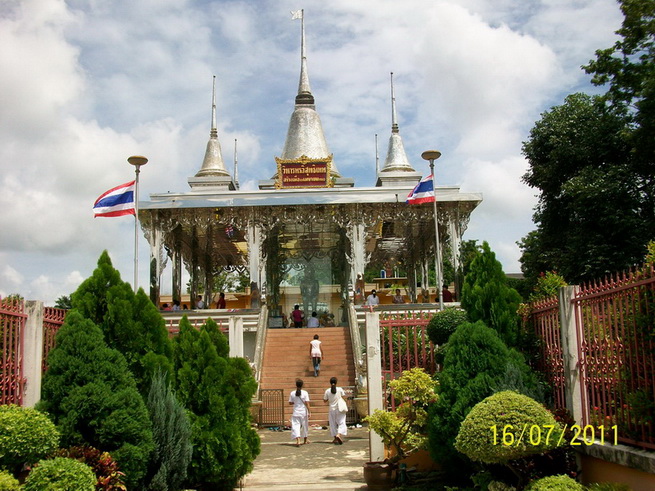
[
  {"x": 12, "y": 324},
  {"x": 53, "y": 319},
  {"x": 404, "y": 344},
  {"x": 615, "y": 320},
  {"x": 272, "y": 408},
  {"x": 547, "y": 327}
]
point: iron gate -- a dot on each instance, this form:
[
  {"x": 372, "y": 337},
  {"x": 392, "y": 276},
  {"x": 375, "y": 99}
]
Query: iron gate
[{"x": 272, "y": 408}]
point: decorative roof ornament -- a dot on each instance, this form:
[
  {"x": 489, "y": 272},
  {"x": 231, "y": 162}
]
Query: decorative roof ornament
[
  {"x": 305, "y": 137},
  {"x": 236, "y": 167},
  {"x": 396, "y": 167},
  {"x": 213, "y": 173}
]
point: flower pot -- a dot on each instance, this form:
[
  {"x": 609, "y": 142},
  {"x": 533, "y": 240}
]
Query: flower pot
[{"x": 379, "y": 475}]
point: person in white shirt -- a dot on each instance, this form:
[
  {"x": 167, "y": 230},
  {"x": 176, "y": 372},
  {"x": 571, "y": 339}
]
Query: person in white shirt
[
  {"x": 300, "y": 416},
  {"x": 373, "y": 298},
  {"x": 336, "y": 418},
  {"x": 316, "y": 354},
  {"x": 313, "y": 321},
  {"x": 199, "y": 303}
]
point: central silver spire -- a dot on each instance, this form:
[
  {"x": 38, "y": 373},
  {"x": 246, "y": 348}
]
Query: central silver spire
[
  {"x": 396, "y": 157},
  {"x": 305, "y": 135},
  {"x": 212, "y": 164}
]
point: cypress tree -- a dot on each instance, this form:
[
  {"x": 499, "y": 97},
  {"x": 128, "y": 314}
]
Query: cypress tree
[
  {"x": 172, "y": 435},
  {"x": 218, "y": 392},
  {"x": 486, "y": 296},
  {"x": 130, "y": 322},
  {"x": 91, "y": 396}
]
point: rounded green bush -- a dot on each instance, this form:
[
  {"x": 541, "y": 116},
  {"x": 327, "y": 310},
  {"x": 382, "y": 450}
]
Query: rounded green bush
[
  {"x": 555, "y": 483},
  {"x": 61, "y": 474},
  {"x": 26, "y": 435},
  {"x": 8, "y": 482},
  {"x": 507, "y": 426},
  {"x": 444, "y": 323}
]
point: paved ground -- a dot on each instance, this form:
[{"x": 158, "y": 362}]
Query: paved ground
[{"x": 319, "y": 465}]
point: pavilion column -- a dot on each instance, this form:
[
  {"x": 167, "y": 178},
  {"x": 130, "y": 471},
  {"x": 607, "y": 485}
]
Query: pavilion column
[
  {"x": 177, "y": 266},
  {"x": 254, "y": 238},
  {"x": 208, "y": 267},
  {"x": 357, "y": 236},
  {"x": 156, "y": 263},
  {"x": 194, "y": 267},
  {"x": 455, "y": 239}
]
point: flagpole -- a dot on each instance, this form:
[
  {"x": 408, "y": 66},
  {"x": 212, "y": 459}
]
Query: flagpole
[
  {"x": 137, "y": 161},
  {"x": 431, "y": 156}
]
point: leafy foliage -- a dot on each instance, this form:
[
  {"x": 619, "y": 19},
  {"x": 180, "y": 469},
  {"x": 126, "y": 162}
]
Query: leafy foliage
[
  {"x": 8, "y": 482},
  {"x": 130, "y": 322},
  {"x": 26, "y": 435},
  {"x": 548, "y": 285},
  {"x": 475, "y": 366},
  {"x": 508, "y": 413},
  {"x": 108, "y": 475},
  {"x": 555, "y": 483},
  {"x": 444, "y": 323},
  {"x": 486, "y": 296},
  {"x": 60, "y": 474},
  {"x": 172, "y": 435},
  {"x": 405, "y": 430},
  {"x": 217, "y": 391},
  {"x": 92, "y": 397}
]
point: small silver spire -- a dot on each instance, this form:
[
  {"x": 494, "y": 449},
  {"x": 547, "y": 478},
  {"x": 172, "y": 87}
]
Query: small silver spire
[
  {"x": 396, "y": 157},
  {"x": 377, "y": 156},
  {"x": 212, "y": 164}
]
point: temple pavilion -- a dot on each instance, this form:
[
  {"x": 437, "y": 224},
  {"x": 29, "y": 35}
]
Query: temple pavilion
[{"x": 306, "y": 233}]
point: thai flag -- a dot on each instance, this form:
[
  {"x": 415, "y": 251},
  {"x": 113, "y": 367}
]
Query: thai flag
[
  {"x": 116, "y": 202},
  {"x": 423, "y": 192}
]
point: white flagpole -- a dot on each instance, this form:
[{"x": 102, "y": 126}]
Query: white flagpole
[
  {"x": 431, "y": 156},
  {"x": 137, "y": 161}
]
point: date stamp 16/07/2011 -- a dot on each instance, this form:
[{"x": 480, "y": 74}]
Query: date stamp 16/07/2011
[{"x": 538, "y": 435}]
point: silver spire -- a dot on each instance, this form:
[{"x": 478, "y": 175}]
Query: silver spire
[
  {"x": 236, "y": 168},
  {"x": 212, "y": 164},
  {"x": 305, "y": 133},
  {"x": 396, "y": 157}
]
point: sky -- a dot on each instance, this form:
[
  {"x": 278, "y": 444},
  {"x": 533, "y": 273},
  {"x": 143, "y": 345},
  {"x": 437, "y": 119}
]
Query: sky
[{"x": 84, "y": 84}]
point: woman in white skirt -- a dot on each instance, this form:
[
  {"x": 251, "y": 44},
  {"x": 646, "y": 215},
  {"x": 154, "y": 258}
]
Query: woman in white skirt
[
  {"x": 300, "y": 416},
  {"x": 336, "y": 418}
]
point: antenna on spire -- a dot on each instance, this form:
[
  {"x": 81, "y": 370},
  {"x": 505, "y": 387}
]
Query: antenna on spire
[
  {"x": 377, "y": 156},
  {"x": 394, "y": 116},
  {"x": 236, "y": 168},
  {"x": 213, "y": 132},
  {"x": 304, "y": 91}
]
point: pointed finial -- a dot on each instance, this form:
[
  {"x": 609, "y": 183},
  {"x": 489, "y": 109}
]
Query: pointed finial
[
  {"x": 304, "y": 91},
  {"x": 236, "y": 168},
  {"x": 213, "y": 132},
  {"x": 394, "y": 116}
]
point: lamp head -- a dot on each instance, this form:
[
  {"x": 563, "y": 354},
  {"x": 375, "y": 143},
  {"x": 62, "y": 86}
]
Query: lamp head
[
  {"x": 137, "y": 160},
  {"x": 431, "y": 155}
]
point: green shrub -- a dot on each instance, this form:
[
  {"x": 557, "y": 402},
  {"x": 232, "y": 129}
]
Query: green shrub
[
  {"x": 108, "y": 475},
  {"x": 26, "y": 435},
  {"x": 609, "y": 486},
  {"x": 217, "y": 391},
  {"x": 555, "y": 483},
  {"x": 507, "y": 426},
  {"x": 444, "y": 323},
  {"x": 60, "y": 474},
  {"x": 93, "y": 399},
  {"x": 8, "y": 482},
  {"x": 172, "y": 435}
]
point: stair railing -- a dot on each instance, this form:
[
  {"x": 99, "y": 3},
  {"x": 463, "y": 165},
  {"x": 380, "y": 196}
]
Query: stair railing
[
  {"x": 260, "y": 341},
  {"x": 358, "y": 353}
]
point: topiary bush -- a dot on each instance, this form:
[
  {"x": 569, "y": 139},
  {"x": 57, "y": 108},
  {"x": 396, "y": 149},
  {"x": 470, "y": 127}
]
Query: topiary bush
[
  {"x": 26, "y": 436},
  {"x": 507, "y": 426},
  {"x": 555, "y": 483},
  {"x": 60, "y": 474},
  {"x": 8, "y": 482},
  {"x": 444, "y": 323}
]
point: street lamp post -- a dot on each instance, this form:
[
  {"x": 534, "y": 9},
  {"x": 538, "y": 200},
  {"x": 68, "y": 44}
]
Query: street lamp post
[
  {"x": 137, "y": 161},
  {"x": 431, "y": 156}
]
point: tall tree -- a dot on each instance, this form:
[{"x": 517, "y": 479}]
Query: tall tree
[
  {"x": 92, "y": 398},
  {"x": 130, "y": 322},
  {"x": 217, "y": 391}
]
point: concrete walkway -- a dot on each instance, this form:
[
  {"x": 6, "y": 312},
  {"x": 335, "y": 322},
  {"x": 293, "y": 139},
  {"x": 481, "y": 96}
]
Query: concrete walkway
[{"x": 319, "y": 465}]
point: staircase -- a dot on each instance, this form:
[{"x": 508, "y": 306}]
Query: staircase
[{"x": 286, "y": 358}]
